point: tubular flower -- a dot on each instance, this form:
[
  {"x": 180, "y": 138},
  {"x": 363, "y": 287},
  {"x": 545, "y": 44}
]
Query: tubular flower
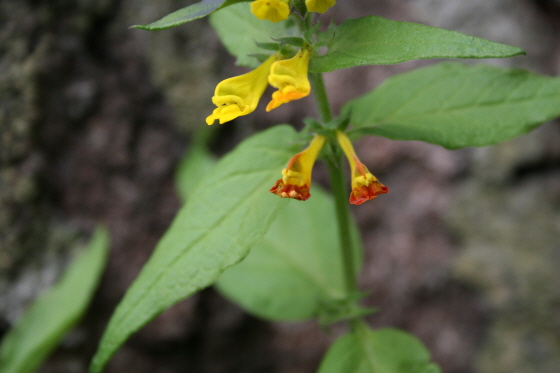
[
  {"x": 273, "y": 10},
  {"x": 290, "y": 77},
  {"x": 296, "y": 177},
  {"x": 319, "y": 6},
  {"x": 365, "y": 186},
  {"x": 240, "y": 95}
]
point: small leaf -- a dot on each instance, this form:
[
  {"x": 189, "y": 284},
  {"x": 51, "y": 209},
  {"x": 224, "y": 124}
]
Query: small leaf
[
  {"x": 42, "y": 327},
  {"x": 187, "y": 14},
  {"x": 375, "y": 40},
  {"x": 239, "y": 31},
  {"x": 344, "y": 311},
  {"x": 226, "y": 214},
  {"x": 381, "y": 351},
  {"x": 455, "y": 106},
  {"x": 295, "y": 270},
  {"x": 269, "y": 46},
  {"x": 308, "y": 34},
  {"x": 295, "y": 41}
]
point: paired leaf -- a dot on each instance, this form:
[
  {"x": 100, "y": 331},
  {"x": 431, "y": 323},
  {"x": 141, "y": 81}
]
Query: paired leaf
[
  {"x": 455, "y": 106},
  {"x": 240, "y": 31},
  {"x": 375, "y": 40},
  {"x": 187, "y": 14},
  {"x": 381, "y": 351},
  {"x": 40, "y": 330},
  {"x": 295, "y": 270},
  {"x": 227, "y": 213}
]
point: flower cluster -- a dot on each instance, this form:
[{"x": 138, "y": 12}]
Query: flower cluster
[
  {"x": 296, "y": 177},
  {"x": 279, "y": 10},
  {"x": 240, "y": 95}
]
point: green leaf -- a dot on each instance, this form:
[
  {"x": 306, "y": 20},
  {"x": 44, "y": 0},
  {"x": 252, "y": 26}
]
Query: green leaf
[
  {"x": 300, "y": 280},
  {"x": 193, "y": 167},
  {"x": 240, "y": 30},
  {"x": 378, "y": 41},
  {"x": 455, "y": 106},
  {"x": 381, "y": 351},
  {"x": 42, "y": 327},
  {"x": 187, "y": 14},
  {"x": 230, "y": 210},
  {"x": 269, "y": 46},
  {"x": 295, "y": 270},
  {"x": 294, "y": 41}
]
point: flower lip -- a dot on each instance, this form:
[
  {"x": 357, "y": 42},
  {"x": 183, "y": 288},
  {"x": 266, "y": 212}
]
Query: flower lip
[
  {"x": 240, "y": 95},
  {"x": 365, "y": 186},
  {"x": 300, "y": 193}
]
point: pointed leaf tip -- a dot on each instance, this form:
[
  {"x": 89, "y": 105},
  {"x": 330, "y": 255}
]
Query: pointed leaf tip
[{"x": 375, "y": 40}]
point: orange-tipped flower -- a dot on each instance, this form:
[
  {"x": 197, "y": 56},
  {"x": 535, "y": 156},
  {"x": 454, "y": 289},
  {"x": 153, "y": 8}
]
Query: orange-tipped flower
[
  {"x": 240, "y": 95},
  {"x": 290, "y": 77},
  {"x": 365, "y": 186},
  {"x": 296, "y": 177},
  {"x": 273, "y": 10}
]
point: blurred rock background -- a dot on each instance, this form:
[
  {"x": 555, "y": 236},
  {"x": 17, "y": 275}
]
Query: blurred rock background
[{"x": 464, "y": 252}]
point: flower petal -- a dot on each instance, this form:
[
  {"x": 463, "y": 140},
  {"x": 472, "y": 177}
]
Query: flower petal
[
  {"x": 240, "y": 95},
  {"x": 319, "y": 6},
  {"x": 365, "y": 186},
  {"x": 296, "y": 177},
  {"x": 290, "y": 77},
  {"x": 272, "y": 10}
]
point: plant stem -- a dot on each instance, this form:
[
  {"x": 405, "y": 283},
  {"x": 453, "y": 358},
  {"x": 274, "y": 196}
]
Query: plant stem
[
  {"x": 338, "y": 185},
  {"x": 318, "y": 88},
  {"x": 343, "y": 218}
]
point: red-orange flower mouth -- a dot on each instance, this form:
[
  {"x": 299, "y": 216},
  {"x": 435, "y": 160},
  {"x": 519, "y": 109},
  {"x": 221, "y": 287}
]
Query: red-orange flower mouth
[
  {"x": 301, "y": 193},
  {"x": 365, "y": 193}
]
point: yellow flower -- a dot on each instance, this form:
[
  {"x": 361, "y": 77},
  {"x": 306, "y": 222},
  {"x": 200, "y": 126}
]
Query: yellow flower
[
  {"x": 319, "y": 6},
  {"x": 273, "y": 10},
  {"x": 240, "y": 95},
  {"x": 296, "y": 177},
  {"x": 290, "y": 77},
  {"x": 365, "y": 186}
]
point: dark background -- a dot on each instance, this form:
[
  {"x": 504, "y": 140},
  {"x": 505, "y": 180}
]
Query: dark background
[{"x": 464, "y": 252}]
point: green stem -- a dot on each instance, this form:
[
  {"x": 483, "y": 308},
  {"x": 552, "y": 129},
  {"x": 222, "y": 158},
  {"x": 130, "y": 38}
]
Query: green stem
[
  {"x": 343, "y": 218},
  {"x": 334, "y": 164},
  {"x": 318, "y": 88},
  {"x": 338, "y": 185}
]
